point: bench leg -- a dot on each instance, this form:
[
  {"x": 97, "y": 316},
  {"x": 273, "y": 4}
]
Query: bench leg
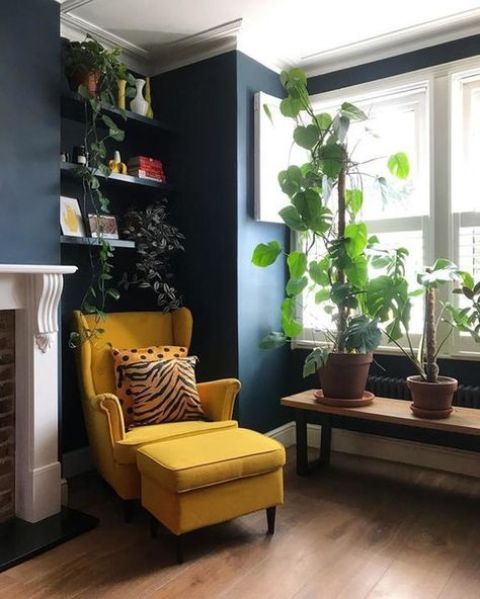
[
  {"x": 326, "y": 442},
  {"x": 153, "y": 527},
  {"x": 271, "y": 513},
  {"x": 302, "y": 449}
]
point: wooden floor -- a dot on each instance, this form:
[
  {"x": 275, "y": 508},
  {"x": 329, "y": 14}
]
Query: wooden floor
[{"x": 360, "y": 529}]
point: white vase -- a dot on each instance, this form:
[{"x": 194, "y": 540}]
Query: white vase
[{"x": 139, "y": 104}]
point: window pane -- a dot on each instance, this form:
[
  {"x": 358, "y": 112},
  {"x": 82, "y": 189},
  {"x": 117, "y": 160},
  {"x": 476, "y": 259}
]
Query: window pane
[{"x": 466, "y": 146}]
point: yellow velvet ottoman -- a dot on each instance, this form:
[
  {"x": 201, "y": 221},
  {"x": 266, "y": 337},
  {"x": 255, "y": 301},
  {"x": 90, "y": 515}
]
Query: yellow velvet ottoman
[{"x": 192, "y": 482}]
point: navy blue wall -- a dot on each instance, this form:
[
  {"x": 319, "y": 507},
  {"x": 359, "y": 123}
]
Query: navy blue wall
[
  {"x": 29, "y": 131},
  {"x": 199, "y": 100},
  {"x": 397, "y": 366},
  {"x": 264, "y": 374}
]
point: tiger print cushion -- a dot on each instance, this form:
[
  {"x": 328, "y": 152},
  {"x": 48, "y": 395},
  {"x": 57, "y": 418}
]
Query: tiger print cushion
[
  {"x": 162, "y": 391},
  {"x": 139, "y": 354}
]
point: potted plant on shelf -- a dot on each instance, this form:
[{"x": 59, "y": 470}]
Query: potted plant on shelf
[
  {"x": 88, "y": 62},
  {"x": 156, "y": 240},
  {"x": 336, "y": 251}
]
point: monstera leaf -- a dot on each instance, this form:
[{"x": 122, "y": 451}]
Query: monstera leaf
[{"x": 362, "y": 335}]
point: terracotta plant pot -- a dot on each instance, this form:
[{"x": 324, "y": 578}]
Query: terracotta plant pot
[
  {"x": 89, "y": 79},
  {"x": 344, "y": 376},
  {"x": 432, "y": 400}
]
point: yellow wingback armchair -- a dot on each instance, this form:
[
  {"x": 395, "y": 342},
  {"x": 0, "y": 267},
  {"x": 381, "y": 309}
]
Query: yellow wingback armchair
[{"x": 113, "y": 448}]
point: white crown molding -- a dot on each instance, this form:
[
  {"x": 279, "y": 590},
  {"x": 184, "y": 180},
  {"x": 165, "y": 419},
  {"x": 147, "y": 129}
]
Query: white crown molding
[
  {"x": 195, "y": 48},
  {"x": 68, "y": 5},
  {"x": 395, "y": 43},
  {"x": 75, "y": 28}
]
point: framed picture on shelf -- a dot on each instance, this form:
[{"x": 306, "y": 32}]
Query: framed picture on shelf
[
  {"x": 103, "y": 224},
  {"x": 71, "y": 221}
]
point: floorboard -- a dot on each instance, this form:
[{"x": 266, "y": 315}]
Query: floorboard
[{"x": 361, "y": 529}]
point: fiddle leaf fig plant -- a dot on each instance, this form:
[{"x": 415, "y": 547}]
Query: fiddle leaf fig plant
[{"x": 349, "y": 274}]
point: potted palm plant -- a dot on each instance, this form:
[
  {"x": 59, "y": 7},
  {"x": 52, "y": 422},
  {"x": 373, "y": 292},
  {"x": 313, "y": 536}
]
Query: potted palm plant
[{"x": 336, "y": 253}]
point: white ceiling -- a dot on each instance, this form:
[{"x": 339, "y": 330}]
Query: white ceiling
[{"x": 162, "y": 34}]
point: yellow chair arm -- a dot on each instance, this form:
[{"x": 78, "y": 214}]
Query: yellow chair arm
[
  {"x": 109, "y": 404},
  {"x": 218, "y": 397}
]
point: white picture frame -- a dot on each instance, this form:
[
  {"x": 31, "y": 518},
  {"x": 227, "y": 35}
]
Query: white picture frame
[{"x": 71, "y": 221}]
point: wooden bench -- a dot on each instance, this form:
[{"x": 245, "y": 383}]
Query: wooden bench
[{"x": 386, "y": 417}]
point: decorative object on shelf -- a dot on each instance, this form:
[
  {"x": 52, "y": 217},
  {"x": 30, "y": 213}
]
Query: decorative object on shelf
[
  {"x": 146, "y": 168},
  {"x": 103, "y": 225},
  {"x": 116, "y": 165},
  {"x": 336, "y": 257},
  {"x": 71, "y": 218},
  {"x": 79, "y": 155},
  {"x": 139, "y": 104},
  {"x": 121, "y": 94},
  {"x": 156, "y": 241},
  {"x": 64, "y": 157},
  {"x": 148, "y": 98}
]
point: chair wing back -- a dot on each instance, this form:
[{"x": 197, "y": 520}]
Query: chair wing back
[{"x": 126, "y": 330}]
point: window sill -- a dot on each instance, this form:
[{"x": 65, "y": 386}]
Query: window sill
[{"x": 467, "y": 356}]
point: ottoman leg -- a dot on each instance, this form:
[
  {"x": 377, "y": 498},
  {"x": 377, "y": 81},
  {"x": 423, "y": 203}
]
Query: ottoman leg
[
  {"x": 271, "y": 512},
  {"x": 153, "y": 527},
  {"x": 179, "y": 548}
]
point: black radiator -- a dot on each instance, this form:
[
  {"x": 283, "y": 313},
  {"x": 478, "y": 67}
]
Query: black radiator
[{"x": 384, "y": 386}]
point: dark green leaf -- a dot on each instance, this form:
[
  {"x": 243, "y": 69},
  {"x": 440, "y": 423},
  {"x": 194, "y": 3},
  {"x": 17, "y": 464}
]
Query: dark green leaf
[
  {"x": 332, "y": 159},
  {"x": 292, "y": 218},
  {"x": 315, "y": 360},
  {"x": 296, "y": 286},
  {"x": 306, "y": 137},
  {"x": 362, "y": 335}
]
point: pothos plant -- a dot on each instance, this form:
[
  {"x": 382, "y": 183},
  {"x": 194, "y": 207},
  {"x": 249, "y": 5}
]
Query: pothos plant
[
  {"x": 156, "y": 241},
  {"x": 336, "y": 254},
  {"x": 98, "y": 130}
]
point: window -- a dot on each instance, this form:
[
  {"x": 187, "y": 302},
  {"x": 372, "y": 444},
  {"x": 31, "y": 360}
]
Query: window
[{"x": 434, "y": 116}]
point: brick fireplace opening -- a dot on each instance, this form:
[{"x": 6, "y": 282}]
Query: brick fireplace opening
[{"x": 7, "y": 415}]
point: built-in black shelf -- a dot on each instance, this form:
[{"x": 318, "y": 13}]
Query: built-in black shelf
[
  {"x": 73, "y": 106},
  {"x": 68, "y": 169},
  {"x": 116, "y": 243}
]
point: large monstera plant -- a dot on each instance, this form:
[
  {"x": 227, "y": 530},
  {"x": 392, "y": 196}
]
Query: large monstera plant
[{"x": 352, "y": 277}]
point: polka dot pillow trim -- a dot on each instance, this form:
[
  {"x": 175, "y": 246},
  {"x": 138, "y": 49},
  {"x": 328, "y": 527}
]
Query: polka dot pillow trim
[{"x": 123, "y": 357}]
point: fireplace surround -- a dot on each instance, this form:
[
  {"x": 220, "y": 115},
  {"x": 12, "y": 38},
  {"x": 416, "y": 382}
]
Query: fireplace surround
[{"x": 33, "y": 292}]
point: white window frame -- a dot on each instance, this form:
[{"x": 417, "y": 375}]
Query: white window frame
[{"x": 441, "y": 235}]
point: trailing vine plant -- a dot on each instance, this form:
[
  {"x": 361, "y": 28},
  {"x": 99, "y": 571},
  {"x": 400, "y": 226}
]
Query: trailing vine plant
[
  {"x": 99, "y": 129},
  {"x": 156, "y": 240}
]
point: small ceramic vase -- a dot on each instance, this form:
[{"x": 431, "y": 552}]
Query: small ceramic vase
[
  {"x": 122, "y": 86},
  {"x": 139, "y": 104},
  {"x": 148, "y": 98}
]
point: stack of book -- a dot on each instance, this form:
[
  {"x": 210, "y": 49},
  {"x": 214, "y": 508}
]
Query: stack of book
[{"x": 146, "y": 168}]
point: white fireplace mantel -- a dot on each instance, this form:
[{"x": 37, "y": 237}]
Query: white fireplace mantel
[{"x": 34, "y": 291}]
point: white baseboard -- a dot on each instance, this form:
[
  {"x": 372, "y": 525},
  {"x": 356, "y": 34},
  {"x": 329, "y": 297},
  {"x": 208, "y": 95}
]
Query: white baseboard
[
  {"x": 76, "y": 462},
  {"x": 401, "y": 451}
]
